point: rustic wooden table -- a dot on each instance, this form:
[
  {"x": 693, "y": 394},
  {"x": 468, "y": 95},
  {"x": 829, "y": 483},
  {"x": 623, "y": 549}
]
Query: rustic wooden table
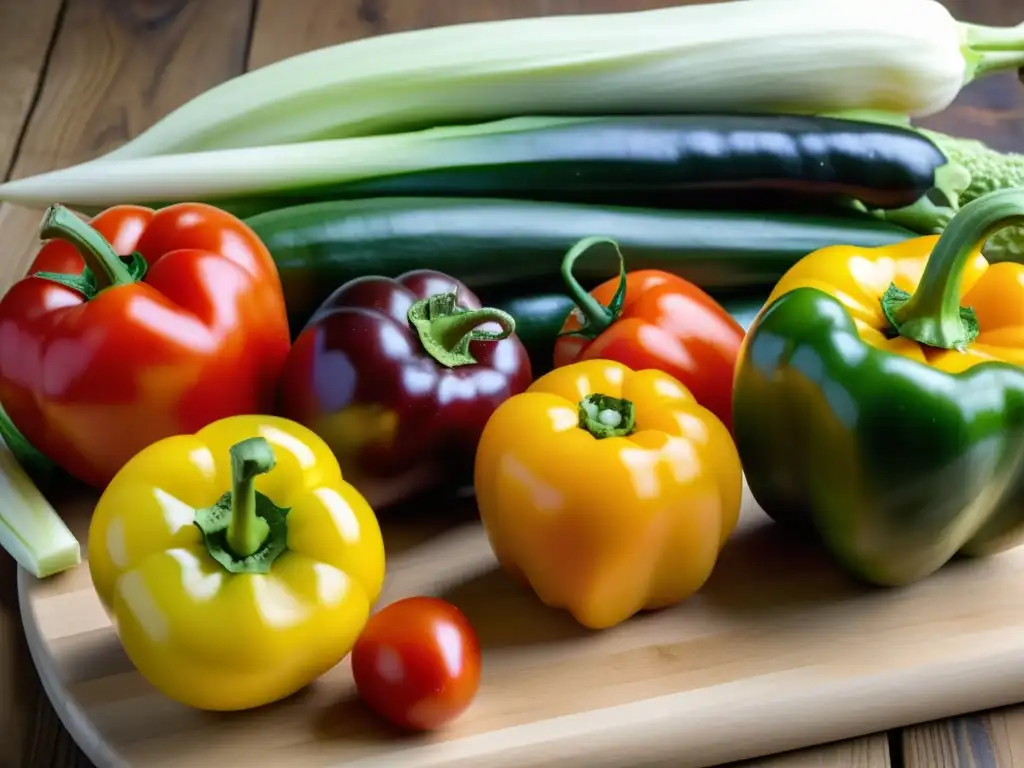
[{"x": 78, "y": 77}]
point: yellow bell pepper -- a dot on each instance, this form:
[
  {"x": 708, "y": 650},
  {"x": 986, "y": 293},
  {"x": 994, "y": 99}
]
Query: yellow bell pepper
[
  {"x": 237, "y": 564},
  {"x": 608, "y": 491},
  {"x": 865, "y": 280}
]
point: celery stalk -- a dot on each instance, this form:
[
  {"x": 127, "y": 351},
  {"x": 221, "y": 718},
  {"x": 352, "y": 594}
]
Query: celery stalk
[{"x": 30, "y": 528}]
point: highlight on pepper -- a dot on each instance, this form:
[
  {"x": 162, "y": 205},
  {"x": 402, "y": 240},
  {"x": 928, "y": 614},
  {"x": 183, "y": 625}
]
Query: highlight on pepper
[
  {"x": 169, "y": 319},
  {"x": 399, "y": 375},
  {"x": 608, "y": 490},
  {"x": 879, "y": 398},
  {"x": 236, "y": 563}
]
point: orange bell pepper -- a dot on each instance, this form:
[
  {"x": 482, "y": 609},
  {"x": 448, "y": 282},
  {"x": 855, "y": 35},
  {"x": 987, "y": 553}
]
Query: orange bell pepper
[{"x": 607, "y": 490}]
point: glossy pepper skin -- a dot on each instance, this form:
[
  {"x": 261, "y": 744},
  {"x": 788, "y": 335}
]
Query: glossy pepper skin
[
  {"x": 219, "y": 610},
  {"x": 189, "y": 329},
  {"x": 402, "y": 401},
  {"x": 600, "y": 518},
  {"x": 653, "y": 319},
  {"x": 879, "y": 399}
]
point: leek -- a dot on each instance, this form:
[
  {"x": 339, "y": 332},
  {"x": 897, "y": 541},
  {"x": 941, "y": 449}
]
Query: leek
[
  {"x": 251, "y": 180},
  {"x": 801, "y": 56},
  {"x": 30, "y": 529},
  {"x": 269, "y": 171}
]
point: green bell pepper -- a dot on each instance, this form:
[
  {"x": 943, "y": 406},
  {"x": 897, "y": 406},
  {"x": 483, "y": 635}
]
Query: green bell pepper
[{"x": 879, "y": 399}]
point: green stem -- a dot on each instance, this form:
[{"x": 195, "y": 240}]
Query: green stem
[
  {"x": 933, "y": 315},
  {"x": 247, "y": 531},
  {"x": 104, "y": 263},
  {"x": 603, "y": 416},
  {"x": 30, "y": 459},
  {"x": 596, "y": 316},
  {"x": 445, "y": 329},
  {"x": 992, "y": 49}
]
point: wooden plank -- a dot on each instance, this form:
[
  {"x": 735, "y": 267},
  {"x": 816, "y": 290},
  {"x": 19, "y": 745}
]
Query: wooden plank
[
  {"x": 26, "y": 30},
  {"x": 867, "y": 752},
  {"x": 114, "y": 68},
  {"x": 989, "y": 739},
  {"x": 986, "y": 740}
]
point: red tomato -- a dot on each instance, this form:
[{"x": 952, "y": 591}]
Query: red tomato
[{"x": 417, "y": 663}]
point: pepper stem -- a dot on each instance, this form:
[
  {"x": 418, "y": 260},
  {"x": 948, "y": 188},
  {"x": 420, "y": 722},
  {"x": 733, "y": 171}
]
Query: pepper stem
[
  {"x": 603, "y": 416},
  {"x": 445, "y": 329},
  {"x": 30, "y": 459},
  {"x": 102, "y": 260},
  {"x": 933, "y": 315},
  {"x": 246, "y": 531},
  {"x": 596, "y": 316}
]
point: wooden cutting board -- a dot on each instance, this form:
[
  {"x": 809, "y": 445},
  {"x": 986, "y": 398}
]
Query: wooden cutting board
[{"x": 779, "y": 650}]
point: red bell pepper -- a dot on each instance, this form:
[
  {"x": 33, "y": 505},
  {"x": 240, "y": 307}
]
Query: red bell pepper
[
  {"x": 399, "y": 377},
  {"x": 653, "y": 319},
  {"x": 143, "y": 325}
]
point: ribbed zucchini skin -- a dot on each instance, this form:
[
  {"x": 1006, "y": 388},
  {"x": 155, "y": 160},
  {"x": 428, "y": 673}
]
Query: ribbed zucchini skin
[{"x": 490, "y": 242}]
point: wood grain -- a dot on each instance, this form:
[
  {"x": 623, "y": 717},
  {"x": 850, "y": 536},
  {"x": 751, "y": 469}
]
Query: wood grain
[
  {"x": 25, "y": 33},
  {"x": 115, "y": 68},
  {"x": 867, "y": 752},
  {"x": 987, "y": 740},
  {"x": 26, "y": 30},
  {"x": 779, "y": 646}
]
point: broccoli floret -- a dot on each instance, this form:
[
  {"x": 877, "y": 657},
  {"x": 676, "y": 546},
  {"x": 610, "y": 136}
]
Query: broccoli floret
[{"x": 989, "y": 170}]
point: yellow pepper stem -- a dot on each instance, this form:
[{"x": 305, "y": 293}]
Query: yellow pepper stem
[
  {"x": 933, "y": 315},
  {"x": 446, "y": 329},
  {"x": 603, "y": 416},
  {"x": 245, "y": 531}
]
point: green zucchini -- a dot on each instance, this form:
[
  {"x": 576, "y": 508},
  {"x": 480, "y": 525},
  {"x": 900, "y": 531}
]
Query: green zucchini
[
  {"x": 539, "y": 318},
  {"x": 489, "y": 242}
]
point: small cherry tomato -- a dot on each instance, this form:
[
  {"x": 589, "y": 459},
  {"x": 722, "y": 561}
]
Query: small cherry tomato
[{"x": 417, "y": 663}]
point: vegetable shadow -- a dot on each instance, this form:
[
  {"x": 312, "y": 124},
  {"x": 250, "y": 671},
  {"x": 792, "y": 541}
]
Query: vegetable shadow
[
  {"x": 768, "y": 568},
  {"x": 417, "y": 520},
  {"x": 507, "y": 614},
  {"x": 350, "y": 719}
]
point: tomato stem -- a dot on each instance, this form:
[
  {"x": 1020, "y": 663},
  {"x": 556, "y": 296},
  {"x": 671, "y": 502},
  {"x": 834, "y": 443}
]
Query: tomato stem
[
  {"x": 604, "y": 416},
  {"x": 596, "y": 316},
  {"x": 446, "y": 329},
  {"x": 104, "y": 263}
]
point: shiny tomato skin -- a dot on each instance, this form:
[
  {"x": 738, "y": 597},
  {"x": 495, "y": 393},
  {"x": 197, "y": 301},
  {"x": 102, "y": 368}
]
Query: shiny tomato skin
[{"x": 417, "y": 663}]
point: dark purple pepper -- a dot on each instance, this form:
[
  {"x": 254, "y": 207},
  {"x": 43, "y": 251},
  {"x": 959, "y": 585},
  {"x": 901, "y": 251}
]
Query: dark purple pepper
[{"x": 399, "y": 376}]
